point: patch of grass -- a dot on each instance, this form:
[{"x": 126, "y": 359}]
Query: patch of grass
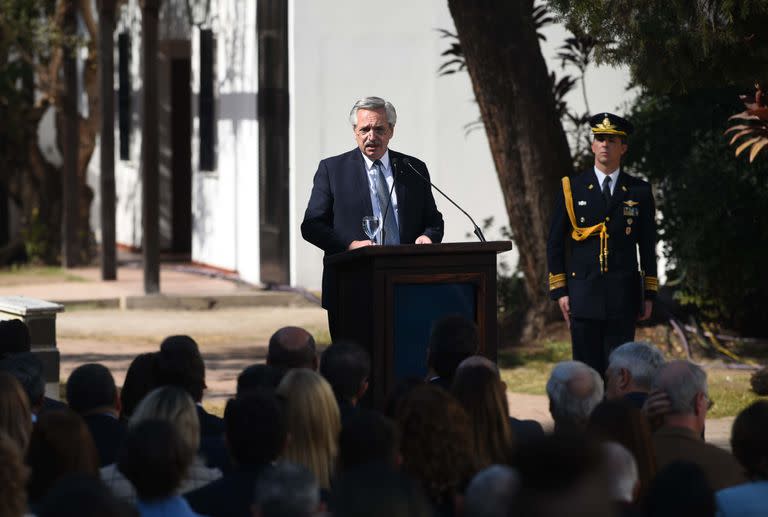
[
  {"x": 527, "y": 370},
  {"x": 730, "y": 390},
  {"x": 16, "y": 275}
]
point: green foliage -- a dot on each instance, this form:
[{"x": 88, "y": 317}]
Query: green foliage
[
  {"x": 714, "y": 224},
  {"x": 672, "y": 46}
]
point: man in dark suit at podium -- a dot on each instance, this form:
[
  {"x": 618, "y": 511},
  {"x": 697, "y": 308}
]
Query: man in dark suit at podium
[{"x": 358, "y": 183}]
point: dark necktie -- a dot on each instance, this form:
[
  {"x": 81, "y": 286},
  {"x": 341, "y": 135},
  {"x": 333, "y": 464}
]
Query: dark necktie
[
  {"x": 607, "y": 190},
  {"x": 391, "y": 231}
]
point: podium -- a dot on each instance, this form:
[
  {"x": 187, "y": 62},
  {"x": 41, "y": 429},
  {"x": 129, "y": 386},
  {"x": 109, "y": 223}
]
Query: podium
[{"x": 388, "y": 298}]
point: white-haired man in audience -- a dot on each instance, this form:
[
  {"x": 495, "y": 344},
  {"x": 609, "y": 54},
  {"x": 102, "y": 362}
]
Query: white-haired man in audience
[
  {"x": 574, "y": 389},
  {"x": 623, "y": 477},
  {"x": 680, "y": 437},
  {"x": 630, "y": 372}
]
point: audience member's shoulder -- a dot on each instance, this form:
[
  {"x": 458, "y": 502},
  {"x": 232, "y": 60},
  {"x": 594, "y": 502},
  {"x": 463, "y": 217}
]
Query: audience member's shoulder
[
  {"x": 209, "y": 423},
  {"x": 747, "y": 500},
  {"x": 525, "y": 430}
]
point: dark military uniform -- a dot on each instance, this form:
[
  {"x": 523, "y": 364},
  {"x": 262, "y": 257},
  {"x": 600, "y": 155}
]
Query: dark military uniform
[{"x": 592, "y": 258}]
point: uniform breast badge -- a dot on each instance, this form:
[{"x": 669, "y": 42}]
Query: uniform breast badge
[
  {"x": 582, "y": 203},
  {"x": 631, "y": 209}
]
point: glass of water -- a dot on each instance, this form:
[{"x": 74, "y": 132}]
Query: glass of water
[{"x": 371, "y": 227}]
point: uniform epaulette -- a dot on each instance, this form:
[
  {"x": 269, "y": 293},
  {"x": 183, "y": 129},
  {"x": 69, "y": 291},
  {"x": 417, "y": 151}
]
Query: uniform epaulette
[{"x": 651, "y": 283}]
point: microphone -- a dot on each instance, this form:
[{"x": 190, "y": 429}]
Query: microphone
[
  {"x": 389, "y": 202},
  {"x": 478, "y": 232}
]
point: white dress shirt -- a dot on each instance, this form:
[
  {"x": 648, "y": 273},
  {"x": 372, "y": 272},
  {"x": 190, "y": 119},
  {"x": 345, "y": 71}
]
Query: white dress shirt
[
  {"x": 372, "y": 172},
  {"x": 601, "y": 177}
]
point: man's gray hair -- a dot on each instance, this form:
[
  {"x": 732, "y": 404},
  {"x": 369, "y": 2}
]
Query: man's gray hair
[
  {"x": 621, "y": 468},
  {"x": 373, "y": 103},
  {"x": 681, "y": 381},
  {"x": 641, "y": 360},
  {"x": 492, "y": 492},
  {"x": 574, "y": 390},
  {"x": 287, "y": 490}
]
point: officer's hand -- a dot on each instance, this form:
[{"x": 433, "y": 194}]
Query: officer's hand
[
  {"x": 359, "y": 244},
  {"x": 565, "y": 307},
  {"x": 647, "y": 310}
]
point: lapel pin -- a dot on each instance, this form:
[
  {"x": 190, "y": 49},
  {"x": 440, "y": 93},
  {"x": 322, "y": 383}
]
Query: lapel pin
[
  {"x": 623, "y": 188},
  {"x": 582, "y": 203},
  {"x": 581, "y": 219},
  {"x": 591, "y": 186}
]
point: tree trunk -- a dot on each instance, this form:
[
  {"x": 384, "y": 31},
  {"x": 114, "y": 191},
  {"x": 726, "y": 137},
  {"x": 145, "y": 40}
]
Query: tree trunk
[
  {"x": 528, "y": 144},
  {"x": 70, "y": 250},
  {"x": 107, "y": 176}
]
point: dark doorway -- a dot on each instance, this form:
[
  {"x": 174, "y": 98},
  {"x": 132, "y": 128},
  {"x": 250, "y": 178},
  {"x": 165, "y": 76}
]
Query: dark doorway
[
  {"x": 181, "y": 155},
  {"x": 274, "y": 233}
]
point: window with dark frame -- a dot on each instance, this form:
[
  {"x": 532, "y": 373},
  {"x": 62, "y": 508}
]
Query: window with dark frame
[
  {"x": 206, "y": 102},
  {"x": 124, "y": 94}
]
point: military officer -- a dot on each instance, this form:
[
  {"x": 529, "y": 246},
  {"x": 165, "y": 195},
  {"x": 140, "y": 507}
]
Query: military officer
[{"x": 601, "y": 218}]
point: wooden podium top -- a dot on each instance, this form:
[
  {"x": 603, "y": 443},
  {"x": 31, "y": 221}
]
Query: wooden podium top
[{"x": 451, "y": 248}]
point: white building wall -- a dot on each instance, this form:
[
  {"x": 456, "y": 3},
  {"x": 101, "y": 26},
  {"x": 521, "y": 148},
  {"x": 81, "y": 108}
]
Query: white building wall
[{"x": 225, "y": 202}]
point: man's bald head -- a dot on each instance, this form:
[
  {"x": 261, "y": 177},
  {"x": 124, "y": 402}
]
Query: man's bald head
[
  {"x": 292, "y": 347},
  {"x": 478, "y": 361}
]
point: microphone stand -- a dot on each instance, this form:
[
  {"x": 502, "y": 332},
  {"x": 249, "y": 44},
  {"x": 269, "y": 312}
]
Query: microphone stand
[{"x": 478, "y": 232}]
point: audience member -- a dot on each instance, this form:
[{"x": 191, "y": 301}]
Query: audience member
[
  {"x": 180, "y": 364},
  {"x": 139, "y": 380},
  {"x": 484, "y": 397},
  {"x": 14, "y": 338},
  {"x": 28, "y": 370},
  {"x": 256, "y": 436},
  {"x": 621, "y": 422},
  {"x": 680, "y": 489},
  {"x": 83, "y": 496},
  {"x": 257, "y": 377},
  {"x": 313, "y": 421},
  {"x": 155, "y": 459},
  {"x": 377, "y": 491},
  {"x": 749, "y": 443},
  {"x": 523, "y": 431},
  {"x": 346, "y": 366},
  {"x": 680, "y": 437},
  {"x": 367, "y": 438},
  {"x": 436, "y": 444},
  {"x": 453, "y": 339},
  {"x": 631, "y": 369},
  {"x": 15, "y": 414},
  {"x": 574, "y": 390},
  {"x": 562, "y": 474},
  {"x": 13, "y": 478},
  {"x": 60, "y": 445},
  {"x": 173, "y": 405},
  {"x": 287, "y": 490},
  {"x": 292, "y": 347},
  {"x": 91, "y": 393},
  {"x": 492, "y": 493},
  {"x": 400, "y": 391},
  {"x": 622, "y": 475}
]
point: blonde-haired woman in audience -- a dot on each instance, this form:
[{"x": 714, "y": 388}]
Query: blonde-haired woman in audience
[
  {"x": 313, "y": 423},
  {"x": 15, "y": 412},
  {"x": 173, "y": 405}
]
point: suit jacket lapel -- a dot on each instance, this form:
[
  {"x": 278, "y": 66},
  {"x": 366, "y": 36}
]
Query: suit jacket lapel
[
  {"x": 396, "y": 162},
  {"x": 593, "y": 195},
  {"x": 360, "y": 182},
  {"x": 619, "y": 193}
]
